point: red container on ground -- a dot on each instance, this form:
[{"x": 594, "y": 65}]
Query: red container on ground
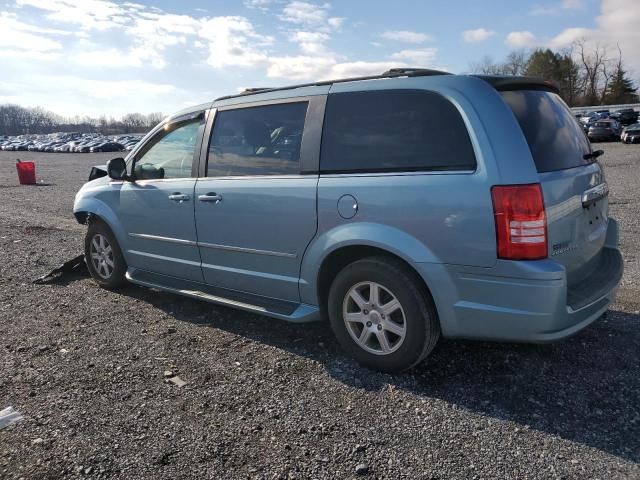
[{"x": 26, "y": 173}]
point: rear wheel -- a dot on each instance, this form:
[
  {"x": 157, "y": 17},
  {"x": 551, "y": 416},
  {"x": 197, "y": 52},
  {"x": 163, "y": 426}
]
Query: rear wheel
[
  {"x": 381, "y": 315},
  {"x": 103, "y": 256}
]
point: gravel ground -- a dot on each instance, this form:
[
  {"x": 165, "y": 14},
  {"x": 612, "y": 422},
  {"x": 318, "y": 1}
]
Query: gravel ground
[{"x": 267, "y": 399}]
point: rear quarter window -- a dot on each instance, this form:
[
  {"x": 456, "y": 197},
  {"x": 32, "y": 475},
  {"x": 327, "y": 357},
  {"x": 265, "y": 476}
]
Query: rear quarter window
[
  {"x": 393, "y": 130},
  {"x": 555, "y": 138}
]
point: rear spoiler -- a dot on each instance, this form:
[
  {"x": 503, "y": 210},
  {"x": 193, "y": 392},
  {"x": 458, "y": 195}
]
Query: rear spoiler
[{"x": 509, "y": 82}]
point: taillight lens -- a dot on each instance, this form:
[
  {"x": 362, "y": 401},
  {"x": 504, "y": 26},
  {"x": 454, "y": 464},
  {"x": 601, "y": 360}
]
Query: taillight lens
[{"x": 521, "y": 225}]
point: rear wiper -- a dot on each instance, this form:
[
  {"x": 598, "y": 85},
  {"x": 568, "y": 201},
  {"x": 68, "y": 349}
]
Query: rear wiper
[{"x": 596, "y": 154}]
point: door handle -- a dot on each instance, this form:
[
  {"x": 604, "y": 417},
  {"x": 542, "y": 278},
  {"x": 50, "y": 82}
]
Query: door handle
[
  {"x": 210, "y": 197},
  {"x": 178, "y": 197}
]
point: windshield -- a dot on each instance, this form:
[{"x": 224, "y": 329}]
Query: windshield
[{"x": 555, "y": 137}]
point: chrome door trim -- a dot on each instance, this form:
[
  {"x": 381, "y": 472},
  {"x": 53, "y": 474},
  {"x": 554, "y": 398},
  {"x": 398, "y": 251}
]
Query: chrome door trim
[
  {"x": 180, "y": 241},
  {"x": 246, "y": 250},
  {"x": 163, "y": 180}
]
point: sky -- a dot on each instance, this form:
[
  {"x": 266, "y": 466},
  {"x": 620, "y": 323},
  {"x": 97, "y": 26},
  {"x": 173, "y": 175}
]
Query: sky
[{"x": 109, "y": 57}]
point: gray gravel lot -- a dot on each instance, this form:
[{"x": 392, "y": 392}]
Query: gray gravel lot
[{"x": 267, "y": 399}]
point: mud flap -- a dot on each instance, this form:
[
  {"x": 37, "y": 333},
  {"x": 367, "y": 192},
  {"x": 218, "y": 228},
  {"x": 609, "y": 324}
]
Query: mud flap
[{"x": 76, "y": 265}]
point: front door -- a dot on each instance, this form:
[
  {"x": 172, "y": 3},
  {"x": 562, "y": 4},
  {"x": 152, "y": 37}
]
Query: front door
[
  {"x": 157, "y": 207},
  {"x": 256, "y": 208}
]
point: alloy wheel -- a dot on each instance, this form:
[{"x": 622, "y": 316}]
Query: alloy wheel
[
  {"x": 101, "y": 256},
  {"x": 374, "y": 318}
]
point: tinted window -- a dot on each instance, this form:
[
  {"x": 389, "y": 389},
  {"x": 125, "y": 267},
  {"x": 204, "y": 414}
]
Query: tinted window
[
  {"x": 555, "y": 138},
  {"x": 393, "y": 131},
  {"x": 257, "y": 141},
  {"x": 171, "y": 156}
]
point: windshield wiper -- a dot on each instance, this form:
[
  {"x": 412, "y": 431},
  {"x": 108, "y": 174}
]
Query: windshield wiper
[{"x": 594, "y": 155}]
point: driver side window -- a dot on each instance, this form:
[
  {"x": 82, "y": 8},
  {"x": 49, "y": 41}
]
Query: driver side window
[{"x": 171, "y": 156}]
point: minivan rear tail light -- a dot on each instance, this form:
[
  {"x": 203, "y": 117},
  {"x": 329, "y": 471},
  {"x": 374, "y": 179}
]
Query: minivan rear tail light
[{"x": 521, "y": 225}]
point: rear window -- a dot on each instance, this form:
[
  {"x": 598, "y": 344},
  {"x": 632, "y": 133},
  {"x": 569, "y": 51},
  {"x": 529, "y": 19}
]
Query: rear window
[
  {"x": 394, "y": 130},
  {"x": 555, "y": 138}
]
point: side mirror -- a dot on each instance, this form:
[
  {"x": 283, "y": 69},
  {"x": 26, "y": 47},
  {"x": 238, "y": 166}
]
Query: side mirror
[{"x": 117, "y": 169}]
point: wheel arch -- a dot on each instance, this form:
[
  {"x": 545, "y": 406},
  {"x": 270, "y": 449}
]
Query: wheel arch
[
  {"x": 352, "y": 242},
  {"x": 340, "y": 257},
  {"x": 87, "y": 209}
]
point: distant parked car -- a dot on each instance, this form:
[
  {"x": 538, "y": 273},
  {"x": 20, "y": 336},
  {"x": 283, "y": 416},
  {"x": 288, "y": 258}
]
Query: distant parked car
[
  {"x": 631, "y": 134},
  {"x": 626, "y": 116},
  {"x": 604, "y": 130},
  {"x": 108, "y": 147}
]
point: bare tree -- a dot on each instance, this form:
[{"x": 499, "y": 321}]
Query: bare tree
[
  {"x": 486, "y": 66},
  {"x": 515, "y": 63},
  {"x": 17, "y": 120},
  {"x": 594, "y": 71}
]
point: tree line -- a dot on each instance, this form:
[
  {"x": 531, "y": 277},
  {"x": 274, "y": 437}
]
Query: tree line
[
  {"x": 585, "y": 74},
  {"x": 17, "y": 120}
]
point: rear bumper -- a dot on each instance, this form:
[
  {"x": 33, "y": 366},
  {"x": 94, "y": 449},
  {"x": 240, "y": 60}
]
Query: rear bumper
[{"x": 523, "y": 301}]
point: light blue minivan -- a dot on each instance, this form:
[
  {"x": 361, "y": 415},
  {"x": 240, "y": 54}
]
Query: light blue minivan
[{"x": 401, "y": 207}]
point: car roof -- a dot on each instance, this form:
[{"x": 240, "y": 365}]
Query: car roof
[{"x": 499, "y": 82}]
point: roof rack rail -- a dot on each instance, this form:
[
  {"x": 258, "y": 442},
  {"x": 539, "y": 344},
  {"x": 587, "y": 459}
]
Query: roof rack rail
[
  {"x": 391, "y": 73},
  {"x": 254, "y": 90}
]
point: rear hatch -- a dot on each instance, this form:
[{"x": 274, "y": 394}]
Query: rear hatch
[
  {"x": 573, "y": 183},
  {"x": 601, "y": 128}
]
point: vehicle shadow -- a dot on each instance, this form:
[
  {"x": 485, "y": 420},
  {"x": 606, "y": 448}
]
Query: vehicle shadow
[{"x": 585, "y": 389}]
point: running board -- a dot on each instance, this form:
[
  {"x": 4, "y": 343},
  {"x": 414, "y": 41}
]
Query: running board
[{"x": 282, "y": 309}]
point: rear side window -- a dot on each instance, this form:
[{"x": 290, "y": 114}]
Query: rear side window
[
  {"x": 261, "y": 140},
  {"x": 555, "y": 138},
  {"x": 394, "y": 130}
]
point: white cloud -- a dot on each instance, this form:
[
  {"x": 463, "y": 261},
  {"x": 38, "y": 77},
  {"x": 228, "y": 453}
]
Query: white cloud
[
  {"x": 477, "y": 35},
  {"x": 406, "y": 36},
  {"x": 98, "y": 96},
  {"x": 112, "y": 58},
  {"x": 125, "y": 36},
  {"x": 19, "y": 38},
  {"x": 568, "y": 36},
  {"x": 557, "y": 9},
  {"x": 520, "y": 39},
  {"x": 88, "y": 14},
  {"x": 301, "y": 67},
  {"x": 233, "y": 42},
  {"x": 302, "y": 36},
  {"x": 336, "y": 22},
  {"x": 359, "y": 69},
  {"x": 421, "y": 56},
  {"x": 258, "y": 4},
  {"x": 306, "y": 13},
  {"x": 324, "y": 68},
  {"x": 310, "y": 42},
  {"x": 616, "y": 25}
]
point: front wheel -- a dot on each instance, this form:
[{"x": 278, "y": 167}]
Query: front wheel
[
  {"x": 103, "y": 256},
  {"x": 382, "y": 315}
]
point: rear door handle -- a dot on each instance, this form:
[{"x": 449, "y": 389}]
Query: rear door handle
[
  {"x": 178, "y": 197},
  {"x": 210, "y": 197}
]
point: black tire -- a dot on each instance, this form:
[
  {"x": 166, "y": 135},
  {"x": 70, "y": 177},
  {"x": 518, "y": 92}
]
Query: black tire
[
  {"x": 116, "y": 278},
  {"x": 422, "y": 328}
]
